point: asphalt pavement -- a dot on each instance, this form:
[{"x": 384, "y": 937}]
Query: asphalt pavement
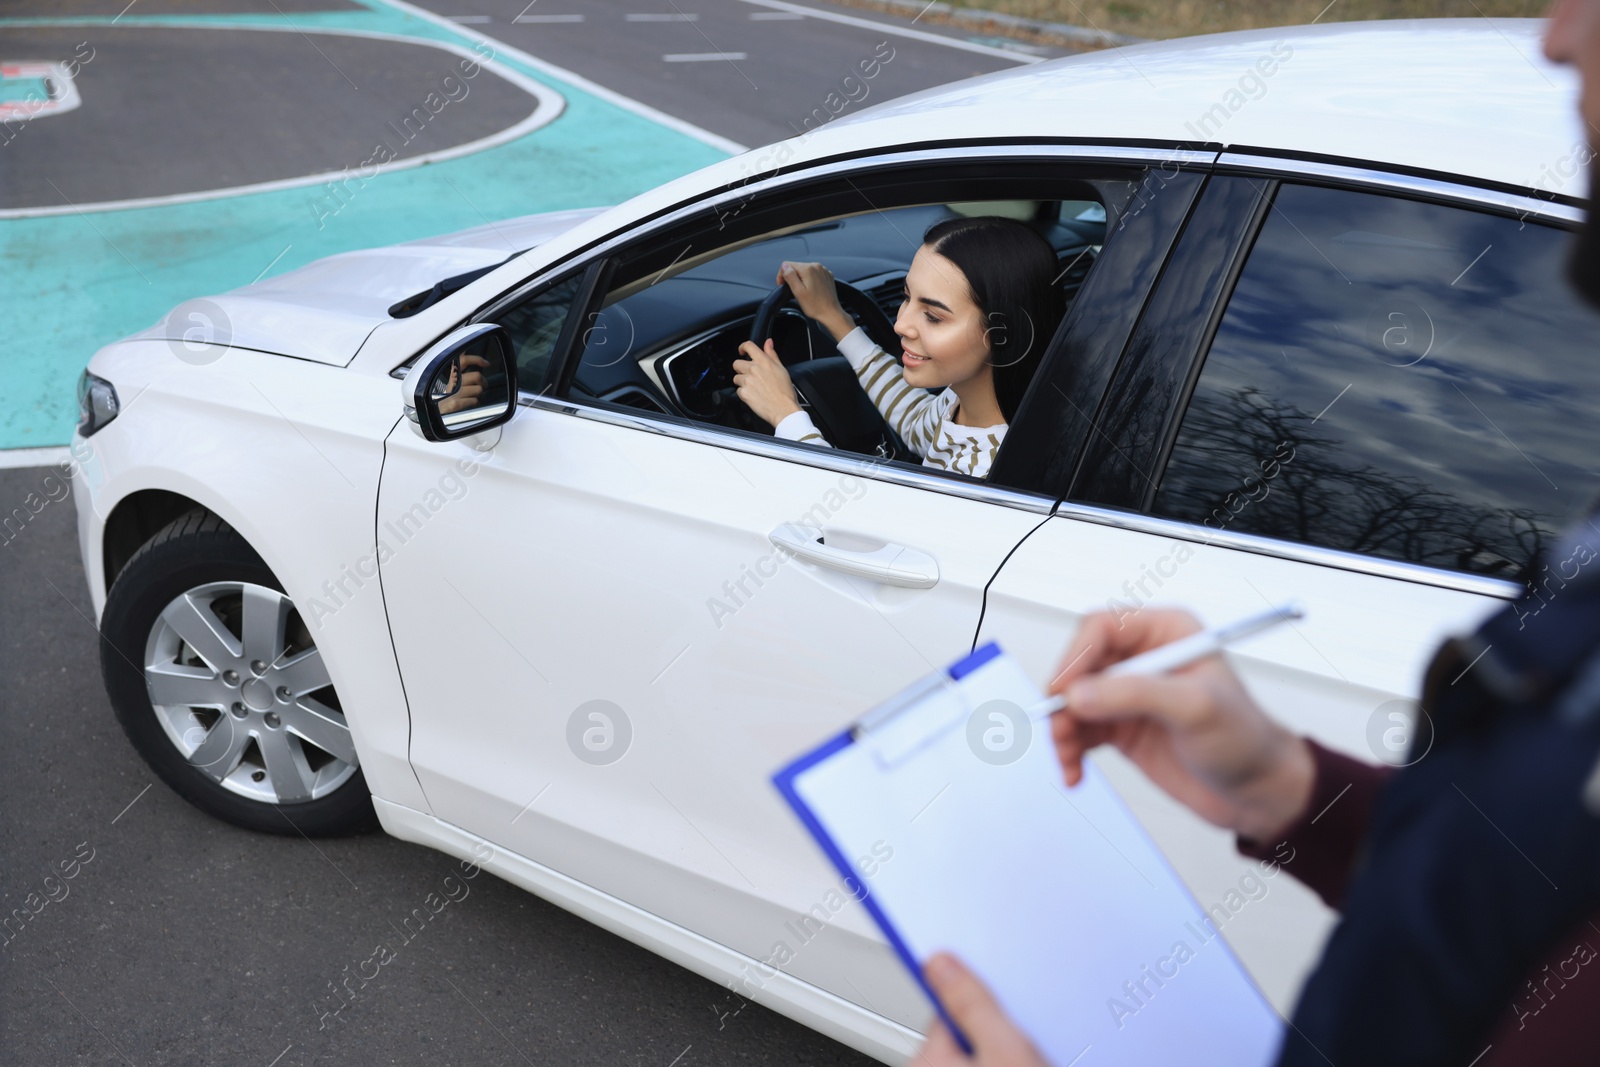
[
  {"x": 139, "y": 931},
  {"x": 187, "y": 122},
  {"x": 755, "y": 72},
  {"x": 136, "y": 930}
]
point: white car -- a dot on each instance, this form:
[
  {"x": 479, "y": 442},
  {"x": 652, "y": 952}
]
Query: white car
[{"x": 1319, "y": 345}]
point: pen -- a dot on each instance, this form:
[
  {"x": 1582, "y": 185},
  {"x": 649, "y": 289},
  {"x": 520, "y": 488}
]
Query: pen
[{"x": 1186, "y": 650}]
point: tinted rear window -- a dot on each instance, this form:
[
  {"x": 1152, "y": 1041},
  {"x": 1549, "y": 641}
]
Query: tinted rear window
[{"x": 1407, "y": 380}]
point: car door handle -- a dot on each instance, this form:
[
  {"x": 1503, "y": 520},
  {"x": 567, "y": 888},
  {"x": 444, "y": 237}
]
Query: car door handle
[{"x": 891, "y": 564}]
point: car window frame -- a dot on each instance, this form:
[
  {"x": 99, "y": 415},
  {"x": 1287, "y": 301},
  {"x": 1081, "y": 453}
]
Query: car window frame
[
  {"x": 1041, "y": 499},
  {"x": 1056, "y": 420},
  {"x": 1131, "y": 510},
  {"x": 1165, "y": 350}
]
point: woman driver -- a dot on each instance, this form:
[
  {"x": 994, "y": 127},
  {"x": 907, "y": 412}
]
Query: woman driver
[{"x": 978, "y": 309}]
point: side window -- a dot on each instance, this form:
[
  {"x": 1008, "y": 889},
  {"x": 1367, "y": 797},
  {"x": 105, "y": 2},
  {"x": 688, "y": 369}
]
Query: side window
[
  {"x": 664, "y": 336},
  {"x": 1406, "y": 380},
  {"x": 535, "y": 324}
]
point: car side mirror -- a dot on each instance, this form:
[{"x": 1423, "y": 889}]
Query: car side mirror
[{"x": 464, "y": 384}]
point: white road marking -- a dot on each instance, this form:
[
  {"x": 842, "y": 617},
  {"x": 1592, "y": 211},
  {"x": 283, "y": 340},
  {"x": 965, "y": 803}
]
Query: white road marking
[
  {"x": 895, "y": 30},
  {"x": 61, "y": 94},
  {"x": 543, "y": 19},
  {"x": 701, "y": 57},
  {"x": 578, "y": 81},
  {"x": 680, "y": 17},
  {"x": 775, "y": 16},
  {"x": 550, "y": 106},
  {"x": 470, "y": 20},
  {"x": 1012, "y": 46},
  {"x": 34, "y": 457}
]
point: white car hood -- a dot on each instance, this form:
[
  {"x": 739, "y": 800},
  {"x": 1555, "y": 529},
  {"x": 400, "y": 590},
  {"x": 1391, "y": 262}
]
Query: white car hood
[{"x": 324, "y": 310}]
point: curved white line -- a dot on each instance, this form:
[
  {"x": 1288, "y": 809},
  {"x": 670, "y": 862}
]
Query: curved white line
[
  {"x": 550, "y": 105},
  {"x": 578, "y": 81}
]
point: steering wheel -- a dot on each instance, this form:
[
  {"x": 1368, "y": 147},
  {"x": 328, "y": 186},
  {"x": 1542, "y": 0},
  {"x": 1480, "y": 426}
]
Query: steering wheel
[
  {"x": 866, "y": 311},
  {"x": 828, "y": 387}
]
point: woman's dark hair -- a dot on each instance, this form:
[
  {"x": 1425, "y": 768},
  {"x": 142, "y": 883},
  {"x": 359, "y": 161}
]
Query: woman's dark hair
[{"x": 1010, "y": 272}]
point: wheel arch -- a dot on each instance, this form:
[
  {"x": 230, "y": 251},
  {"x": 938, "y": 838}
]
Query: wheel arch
[
  {"x": 143, "y": 513},
  {"x": 148, "y": 506},
  {"x": 137, "y": 518}
]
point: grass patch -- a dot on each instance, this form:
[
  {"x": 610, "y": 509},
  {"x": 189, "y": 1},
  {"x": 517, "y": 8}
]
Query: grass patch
[{"x": 1180, "y": 18}]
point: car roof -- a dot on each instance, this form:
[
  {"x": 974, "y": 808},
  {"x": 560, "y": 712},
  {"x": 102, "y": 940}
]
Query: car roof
[
  {"x": 1469, "y": 98},
  {"x": 1472, "y": 97}
]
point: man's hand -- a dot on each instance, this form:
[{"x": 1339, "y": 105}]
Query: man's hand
[
  {"x": 763, "y": 382},
  {"x": 1195, "y": 732},
  {"x": 996, "y": 1041},
  {"x": 812, "y": 286}
]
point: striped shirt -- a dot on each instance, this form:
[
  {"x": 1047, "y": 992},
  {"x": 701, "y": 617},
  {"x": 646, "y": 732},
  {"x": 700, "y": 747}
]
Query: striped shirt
[{"x": 925, "y": 422}]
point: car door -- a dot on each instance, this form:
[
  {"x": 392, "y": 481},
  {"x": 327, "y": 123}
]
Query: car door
[
  {"x": 1372, "y": 394},
  {"x": 608, "y": 649}
]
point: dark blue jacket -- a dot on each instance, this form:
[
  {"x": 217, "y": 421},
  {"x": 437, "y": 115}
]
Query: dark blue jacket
[{"x": 1483, "y": 853}]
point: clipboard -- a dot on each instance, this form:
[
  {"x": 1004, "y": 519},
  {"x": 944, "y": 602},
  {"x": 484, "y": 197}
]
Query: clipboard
[{"x": 1056, "y": 898}]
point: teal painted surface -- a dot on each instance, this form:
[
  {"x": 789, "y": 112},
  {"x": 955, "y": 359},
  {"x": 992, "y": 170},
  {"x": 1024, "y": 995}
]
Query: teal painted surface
[
  {"x": 23, "y": 89},
  {"x": 74, "y": 283}
]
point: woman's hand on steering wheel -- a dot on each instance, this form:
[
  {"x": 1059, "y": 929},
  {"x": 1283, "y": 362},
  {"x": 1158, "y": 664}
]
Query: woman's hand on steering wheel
[
  {"x": 812, "y": 286},
  {"x": 763, "y": 382}
]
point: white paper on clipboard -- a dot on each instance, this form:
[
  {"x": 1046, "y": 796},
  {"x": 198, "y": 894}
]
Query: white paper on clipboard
[{"x": 1056, "y": 897}]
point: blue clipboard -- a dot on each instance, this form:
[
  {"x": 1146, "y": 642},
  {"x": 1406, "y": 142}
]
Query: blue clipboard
[{"x": 1055, "y": 897}]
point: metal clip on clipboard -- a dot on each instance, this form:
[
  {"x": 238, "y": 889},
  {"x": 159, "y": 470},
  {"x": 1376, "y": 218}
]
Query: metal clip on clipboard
[{"x": 912, "y": 719}]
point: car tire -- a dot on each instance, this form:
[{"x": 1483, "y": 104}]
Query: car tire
[{"x": 218, "y": 685}]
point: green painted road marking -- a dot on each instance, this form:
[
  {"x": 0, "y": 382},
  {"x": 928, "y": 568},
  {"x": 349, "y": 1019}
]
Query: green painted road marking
[{"x": 77, "y": 282}]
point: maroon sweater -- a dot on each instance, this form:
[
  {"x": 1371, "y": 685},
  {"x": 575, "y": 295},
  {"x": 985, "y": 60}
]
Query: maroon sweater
[{"x": 1553, "y": 1020}]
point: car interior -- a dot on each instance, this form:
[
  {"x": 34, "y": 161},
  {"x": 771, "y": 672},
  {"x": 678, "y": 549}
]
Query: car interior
[{"x": 665, "y": 341}]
